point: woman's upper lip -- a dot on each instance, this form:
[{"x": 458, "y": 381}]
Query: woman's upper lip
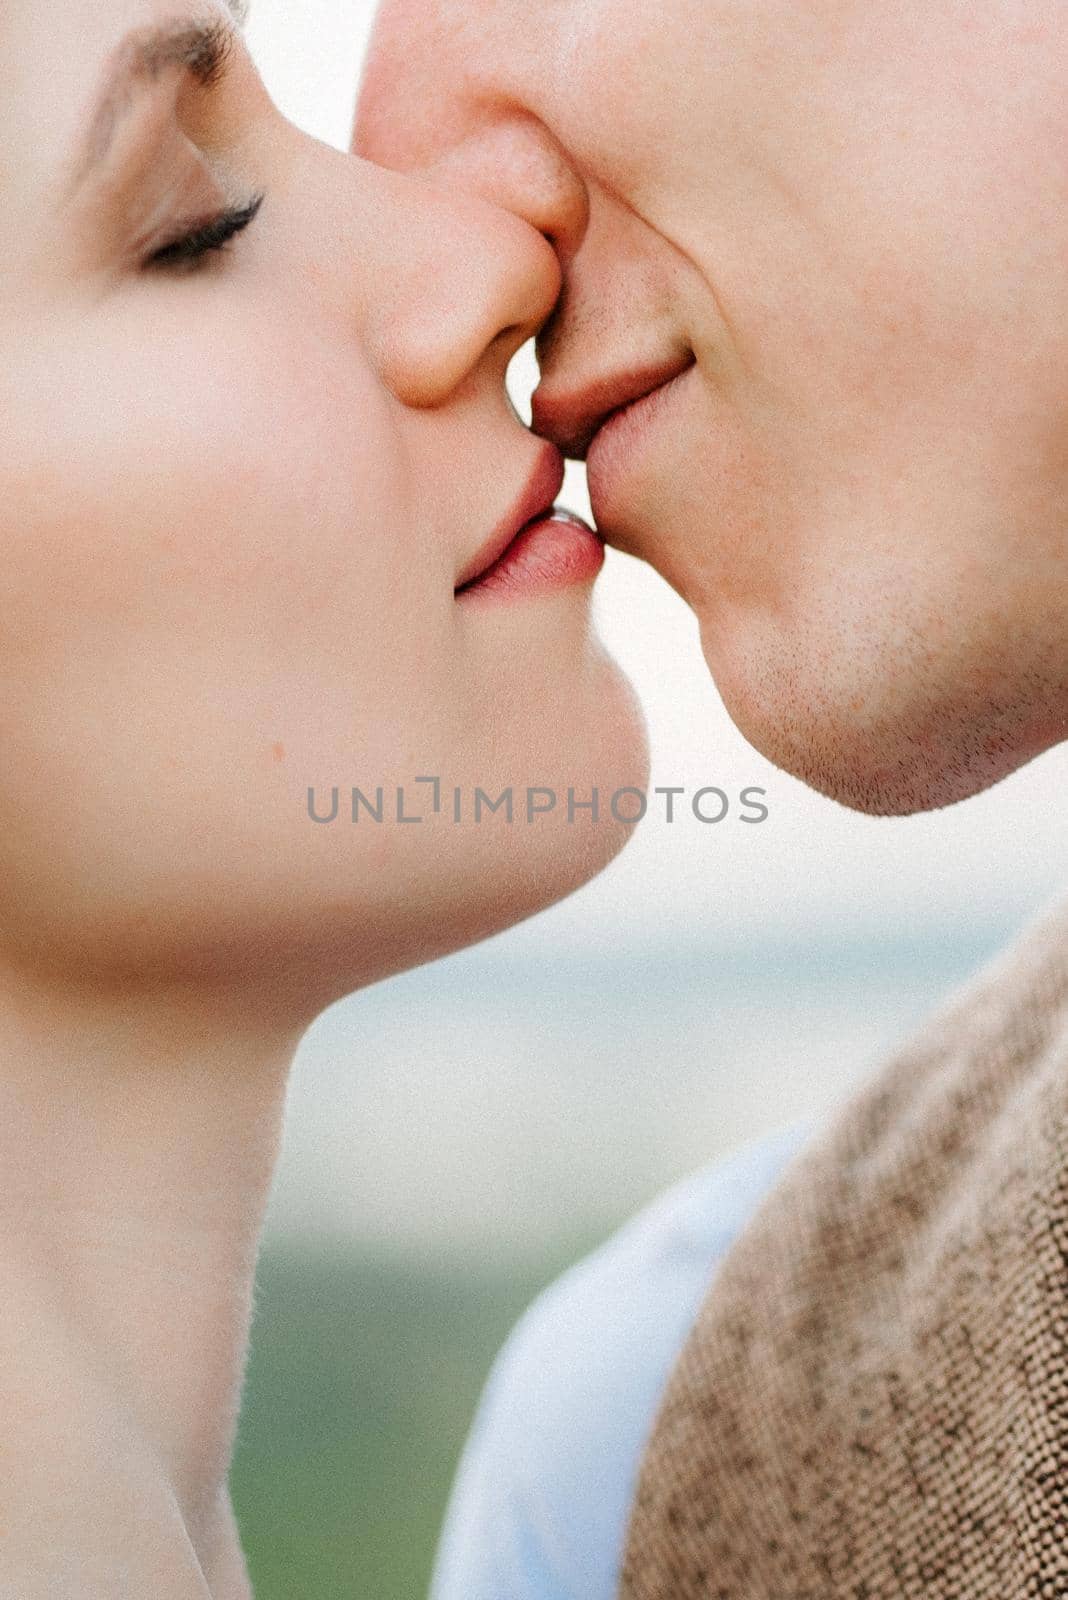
[
  {"x": 571, "y": 417},
  {"x": 535, "y": 501}
]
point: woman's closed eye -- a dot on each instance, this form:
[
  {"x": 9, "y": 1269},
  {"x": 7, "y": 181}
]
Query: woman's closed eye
[
  {"x": 153, "y": 179},
  {"x": 193, "y": 247}
]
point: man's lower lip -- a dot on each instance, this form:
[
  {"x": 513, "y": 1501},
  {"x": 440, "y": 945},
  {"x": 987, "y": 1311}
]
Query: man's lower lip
[
  {"x": 556, "y": 552},
  {"x": 623, "y": 436}
]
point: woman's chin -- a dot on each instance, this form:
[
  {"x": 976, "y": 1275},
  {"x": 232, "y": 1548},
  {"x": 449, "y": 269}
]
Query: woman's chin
[
  {"x": 496, "y": 853},
  {"x": 297, "y": 905}
]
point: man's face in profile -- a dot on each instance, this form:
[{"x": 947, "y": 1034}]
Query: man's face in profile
[{"x": 831, "y": 237}]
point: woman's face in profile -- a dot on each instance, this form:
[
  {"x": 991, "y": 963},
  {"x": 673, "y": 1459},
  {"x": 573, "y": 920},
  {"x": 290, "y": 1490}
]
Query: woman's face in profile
[{"x": 255, "y": 440}]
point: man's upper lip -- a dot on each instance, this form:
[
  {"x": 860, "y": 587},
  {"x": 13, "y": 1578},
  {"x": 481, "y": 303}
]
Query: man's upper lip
[
  {"x": 535, "y": 501},
  {"x": 571, "y": 417}
]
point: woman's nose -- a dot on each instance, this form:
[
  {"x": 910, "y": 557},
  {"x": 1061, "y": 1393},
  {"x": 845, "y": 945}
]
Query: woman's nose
[{"x": 461, "y": 284}]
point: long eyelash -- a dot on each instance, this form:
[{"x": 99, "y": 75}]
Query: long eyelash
[
  {"x": 210, "y": 236},
  {"x": 211, "y": 53}
]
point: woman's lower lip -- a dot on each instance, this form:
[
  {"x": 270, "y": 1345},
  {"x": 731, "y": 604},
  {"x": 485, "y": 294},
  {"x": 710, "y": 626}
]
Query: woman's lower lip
[{"x": 556, "y": 552}]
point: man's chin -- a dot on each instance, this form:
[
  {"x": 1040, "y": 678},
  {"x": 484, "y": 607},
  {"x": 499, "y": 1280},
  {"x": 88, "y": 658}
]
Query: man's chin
[
  {"x": 884, "y": 779},
  {"x": 877, "y": 790},
  {"x": 906, "y": 759},
  {"x": 862, "y": 778}
]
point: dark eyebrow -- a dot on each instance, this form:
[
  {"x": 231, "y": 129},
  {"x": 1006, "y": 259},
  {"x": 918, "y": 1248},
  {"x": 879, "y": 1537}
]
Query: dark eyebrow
[{"x": 200, "y": 48}]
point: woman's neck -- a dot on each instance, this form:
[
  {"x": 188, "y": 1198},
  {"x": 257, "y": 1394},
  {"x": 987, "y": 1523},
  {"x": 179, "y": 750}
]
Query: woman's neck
[{"x": 138, "y": 1140}]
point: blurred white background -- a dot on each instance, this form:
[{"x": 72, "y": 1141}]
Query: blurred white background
[{"x": 715, "y": 982}]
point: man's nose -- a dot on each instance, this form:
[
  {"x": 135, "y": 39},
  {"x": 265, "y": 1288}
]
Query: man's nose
[{"x": 432, "y": 103}]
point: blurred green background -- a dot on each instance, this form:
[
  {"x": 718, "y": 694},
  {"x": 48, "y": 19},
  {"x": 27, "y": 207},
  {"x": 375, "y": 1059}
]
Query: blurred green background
[{"x": 364, "y": 1375}]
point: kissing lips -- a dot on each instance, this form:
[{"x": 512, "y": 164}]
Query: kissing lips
[{"x": 572, "y": 418}]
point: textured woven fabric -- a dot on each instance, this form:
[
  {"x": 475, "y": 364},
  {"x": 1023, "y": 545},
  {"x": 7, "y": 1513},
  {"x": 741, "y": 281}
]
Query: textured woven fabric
[{"x": 873, "y": 1401}]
